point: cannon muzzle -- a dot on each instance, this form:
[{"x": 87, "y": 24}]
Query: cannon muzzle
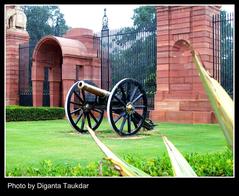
[{"x": 93, "y": 89}]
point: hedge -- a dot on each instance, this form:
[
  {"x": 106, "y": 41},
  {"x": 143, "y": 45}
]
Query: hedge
[
  {"x": 25, "y": 113},
  {"x": 210, "y": 164}
]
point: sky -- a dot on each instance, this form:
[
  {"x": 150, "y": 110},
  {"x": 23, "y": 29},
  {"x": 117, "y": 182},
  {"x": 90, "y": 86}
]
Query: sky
[{"x": 90, "y": 16}]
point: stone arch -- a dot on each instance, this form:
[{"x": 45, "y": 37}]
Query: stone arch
[
  {"x": 181, "y": 70},
  {"x": 53, "y": 52}
]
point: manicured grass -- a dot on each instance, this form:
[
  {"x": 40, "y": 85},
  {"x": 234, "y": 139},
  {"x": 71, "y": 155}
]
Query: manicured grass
[{"x": 29, "y": 143}]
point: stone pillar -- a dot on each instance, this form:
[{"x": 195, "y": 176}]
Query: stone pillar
[
  {"x": 15, "y": 24},
  {"x": 180, "y": 96},
  {"x": 37, "y": 83},
  {"x": 55, "y": 84},
  {"x": 37, "y": 92},
  {"x": 55, "y": 93},
  {"x": 14, "y": 37},
  {"x": 68, "y": 77}
]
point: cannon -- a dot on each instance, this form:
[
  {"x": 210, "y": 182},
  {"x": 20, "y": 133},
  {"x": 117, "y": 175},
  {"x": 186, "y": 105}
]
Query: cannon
[{"x": 126, "y": 106}]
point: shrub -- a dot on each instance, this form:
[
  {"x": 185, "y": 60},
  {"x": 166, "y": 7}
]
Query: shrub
[
  {"x": 159, "y": 166},
  {"x": 23, "y": 113},
  {"x": 213, "y": 164},
  {"x": 47, "y": 168}
]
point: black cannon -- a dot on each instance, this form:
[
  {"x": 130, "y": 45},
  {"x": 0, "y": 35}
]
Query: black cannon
[{"x": 126, "y": 106}]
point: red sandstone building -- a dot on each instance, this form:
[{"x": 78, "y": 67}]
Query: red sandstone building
[{"x": 180, "y": 96}]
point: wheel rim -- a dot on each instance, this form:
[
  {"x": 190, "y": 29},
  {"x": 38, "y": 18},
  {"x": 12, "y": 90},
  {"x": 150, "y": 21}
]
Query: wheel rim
[
  {"x": 127, "y": 107},
  {"x": 82, "y": 109}
]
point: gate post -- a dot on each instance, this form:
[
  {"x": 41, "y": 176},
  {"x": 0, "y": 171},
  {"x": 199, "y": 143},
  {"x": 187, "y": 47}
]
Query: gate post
[
  {"x": 105, "y": 69},
  {"x": 180, "y": 96},
  {"x": 15, "y": 35}
]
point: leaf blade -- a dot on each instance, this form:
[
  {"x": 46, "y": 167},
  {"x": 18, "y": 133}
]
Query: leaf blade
[
  {"x": 124, "y": 168},
  {"x": 181, "y": 167}
]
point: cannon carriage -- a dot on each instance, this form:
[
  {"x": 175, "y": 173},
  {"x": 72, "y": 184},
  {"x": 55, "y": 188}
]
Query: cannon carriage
[{"x": 126, "y": 106}]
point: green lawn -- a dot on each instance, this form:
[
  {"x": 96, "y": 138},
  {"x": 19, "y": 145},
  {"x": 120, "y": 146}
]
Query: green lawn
[{"x": 30, "y": 142}]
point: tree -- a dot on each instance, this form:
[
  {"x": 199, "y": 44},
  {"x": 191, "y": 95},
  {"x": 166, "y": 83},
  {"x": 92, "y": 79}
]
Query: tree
[
  {"x": 145, "y": 18},
  {"x": 44, "y": 20}
]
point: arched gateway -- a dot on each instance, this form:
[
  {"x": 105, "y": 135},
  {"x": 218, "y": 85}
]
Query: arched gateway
[{"x": 68, "y": 60}]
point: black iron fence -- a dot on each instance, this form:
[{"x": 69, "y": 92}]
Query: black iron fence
[
  {"x": 25, "y": 81},
  {"x": 223, "y": 27},
  {"x": 25, "y": 84},
  {"x": 128, "y": 53}
]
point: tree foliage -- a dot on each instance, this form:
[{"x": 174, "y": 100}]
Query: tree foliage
[
  {"x": 44, "y": 20},
  {"x": 145, "y": 18}
]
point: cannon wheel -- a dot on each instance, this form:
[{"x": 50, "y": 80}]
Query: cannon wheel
[
  {"x": 81, "y": 109},
  {"x": 127, "y": 104}
]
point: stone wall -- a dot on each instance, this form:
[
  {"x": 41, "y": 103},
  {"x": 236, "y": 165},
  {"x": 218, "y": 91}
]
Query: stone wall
[{"x": 180, "y": 96}]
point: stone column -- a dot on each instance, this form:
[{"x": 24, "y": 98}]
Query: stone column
[
  {"x": 180, "y": 96},
  {"x": 68, "y": 77},
  {"x": 55, "y": 93},
  {"x": 37, "y": 93},
  {"x": 16, "y": 34},
  {"x": 55, "y": 84},
  {"x": 37, "y": 83},
  {"x": 14, "y": 37}
]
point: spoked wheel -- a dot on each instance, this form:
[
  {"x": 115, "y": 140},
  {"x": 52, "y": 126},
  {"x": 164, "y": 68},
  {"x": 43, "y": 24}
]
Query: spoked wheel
[
  {"x": 82, "y": 108},
  {"x": 127, "y": 107}
]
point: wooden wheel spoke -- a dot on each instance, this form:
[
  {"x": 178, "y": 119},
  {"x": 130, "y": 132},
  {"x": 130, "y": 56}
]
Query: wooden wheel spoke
[
  {"x": 78, "y": 97},
  {"x": 79, "y": 117},
  {"x": 119, "y": 117},
  {"x": 83, "y": 122},
  {"x": 88, "y": 119},
  {"x": 134, "y": 122},
  {"x": 137, "y": 115},
  {"x": 75, "y": 103},
  {"x": 92, "y": 115},
  {"x": 137, "y": 98},
  {"x": 74, "y": 111},
  {"x": 123, "y": 93},
  {"x": 97, "y": 110},
  {"x": 139, "y": 106},
  {"x": 119, "y": 100},
  {"x": 129, "y": 123},
  {"x": 133, "y": 93},
  {"x": 128, "y": 90},
  {"x": 122, "y": 124},
  {"x": 117, "y": 109}
]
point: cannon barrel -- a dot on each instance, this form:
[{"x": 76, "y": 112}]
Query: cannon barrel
[{"x": 93, "y": 89}]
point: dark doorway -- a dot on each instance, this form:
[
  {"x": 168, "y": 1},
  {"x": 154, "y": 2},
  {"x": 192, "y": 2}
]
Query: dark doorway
[{"x": 46, "y": 94}]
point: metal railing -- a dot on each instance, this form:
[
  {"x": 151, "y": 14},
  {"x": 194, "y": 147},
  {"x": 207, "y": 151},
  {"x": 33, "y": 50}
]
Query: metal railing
[
  {"x": 223, "y": 50},
  {"x": 128, "y": 53}
]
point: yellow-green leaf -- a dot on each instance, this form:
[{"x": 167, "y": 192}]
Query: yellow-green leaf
[
  {"x": 124, "y": 168},
  {"x": 181, "y": 167},
  {"x": 221, "y": 102}
]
